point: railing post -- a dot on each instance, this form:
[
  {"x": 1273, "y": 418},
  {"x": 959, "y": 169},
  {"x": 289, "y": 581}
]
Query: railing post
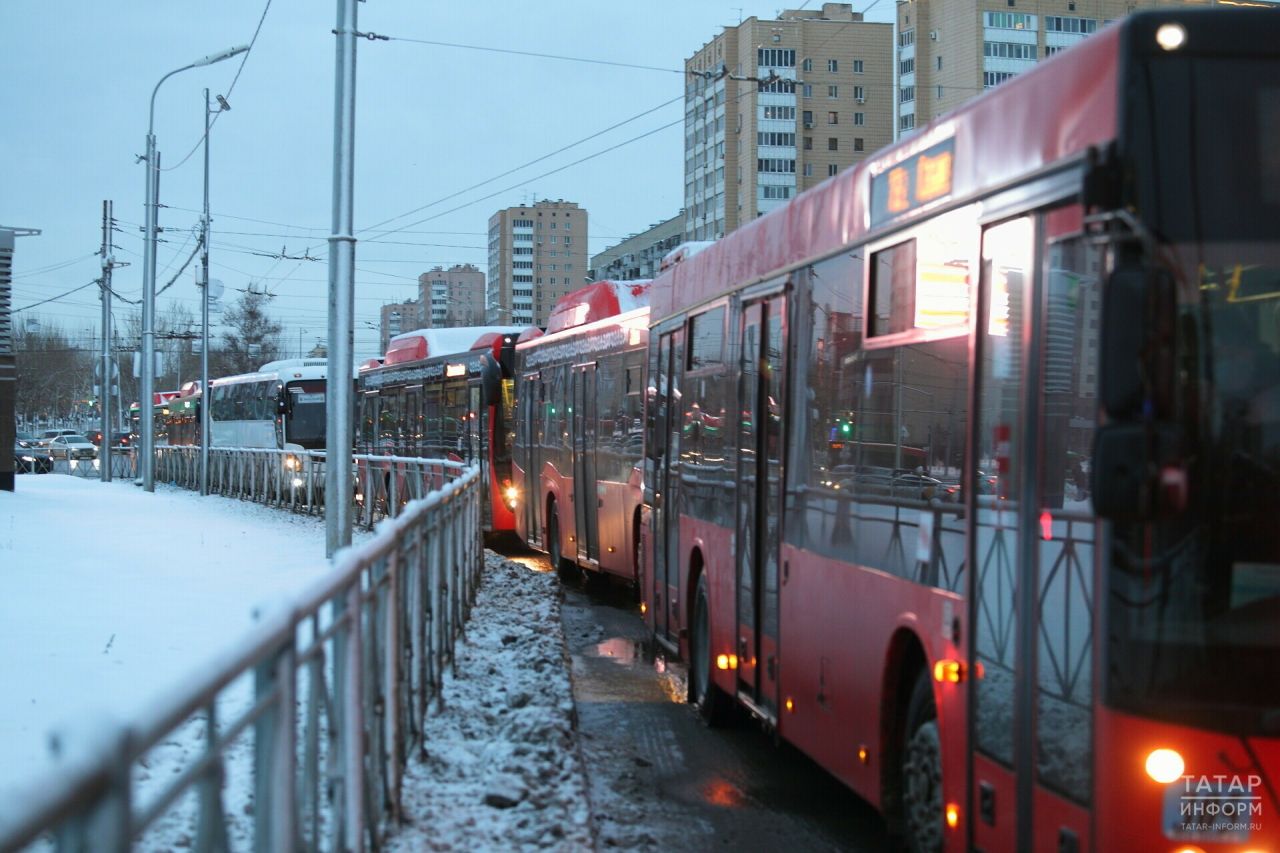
[{"x": 211, "y": 826}]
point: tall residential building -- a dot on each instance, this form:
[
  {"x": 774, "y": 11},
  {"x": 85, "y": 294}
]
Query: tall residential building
[
  {"x": 452, "y": 297},
  {"x": 537, "y": 253},
  {"x": 951, "y": 50},
  {"x": 398, "y": 317},
  {"x": 773, "y": 107},
  {"x": 640, "y": 255}
]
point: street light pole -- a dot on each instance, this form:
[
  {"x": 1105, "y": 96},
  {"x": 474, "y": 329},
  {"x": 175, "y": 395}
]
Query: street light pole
[{"x": 146, "y": 469}]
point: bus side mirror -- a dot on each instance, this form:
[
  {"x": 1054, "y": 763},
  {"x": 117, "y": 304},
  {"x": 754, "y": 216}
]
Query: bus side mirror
[{"x": 1135, "y": 373}]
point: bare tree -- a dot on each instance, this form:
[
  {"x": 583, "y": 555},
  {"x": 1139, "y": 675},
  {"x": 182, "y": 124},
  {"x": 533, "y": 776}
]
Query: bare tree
[
  {"x": 253, "y": 339},
  {"x": 53, "y": 370}
]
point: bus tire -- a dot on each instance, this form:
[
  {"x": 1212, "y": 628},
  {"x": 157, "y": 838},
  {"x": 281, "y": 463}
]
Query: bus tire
[
  {"x": 921, "y": 772},
  {"x": 710, "y": 700},
  {"x": 558, "y": 562}
]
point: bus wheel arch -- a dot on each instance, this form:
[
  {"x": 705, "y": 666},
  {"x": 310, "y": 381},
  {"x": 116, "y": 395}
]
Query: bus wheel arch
[{"x": 908, "y": 727}]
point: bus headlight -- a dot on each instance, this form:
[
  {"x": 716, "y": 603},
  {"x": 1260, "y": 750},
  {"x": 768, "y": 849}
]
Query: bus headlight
[{"x": 1165, "y": 765}]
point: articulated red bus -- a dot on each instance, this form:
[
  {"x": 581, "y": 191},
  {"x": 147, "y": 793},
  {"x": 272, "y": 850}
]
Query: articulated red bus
[
  {"x": 446, "y": 394},
  {"x": 580, "y": 431},
  {"x": 1065, "y": 294}
]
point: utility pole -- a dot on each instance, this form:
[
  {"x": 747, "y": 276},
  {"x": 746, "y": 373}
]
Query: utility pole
[
  {"x": 105, "y": 378},
  {"x": 205, "y": 397}
]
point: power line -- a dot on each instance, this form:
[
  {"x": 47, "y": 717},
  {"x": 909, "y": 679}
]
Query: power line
[
  {"x": 56, "y": 298},
  {"x": 252, "y": 41},
  {"x": 533, "y": 54}
]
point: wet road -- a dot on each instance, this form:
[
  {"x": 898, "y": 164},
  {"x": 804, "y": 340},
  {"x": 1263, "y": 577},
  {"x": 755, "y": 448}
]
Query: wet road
[{"x": 661, "y": 779}]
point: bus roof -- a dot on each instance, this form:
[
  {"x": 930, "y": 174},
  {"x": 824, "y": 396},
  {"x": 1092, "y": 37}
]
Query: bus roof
[
  {"x": 424, "y": 343},
  {"x": 1054, "y": 111},
  {"x": 596, "y": 301}
]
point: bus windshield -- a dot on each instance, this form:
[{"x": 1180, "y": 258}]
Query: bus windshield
[{"x": 306, "y": 419}]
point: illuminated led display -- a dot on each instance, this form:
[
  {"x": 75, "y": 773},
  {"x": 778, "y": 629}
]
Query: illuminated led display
[{"x": 915, "y": 181}]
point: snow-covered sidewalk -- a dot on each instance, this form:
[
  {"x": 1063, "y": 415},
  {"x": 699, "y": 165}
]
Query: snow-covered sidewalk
[{"x": 503, "y": 770}]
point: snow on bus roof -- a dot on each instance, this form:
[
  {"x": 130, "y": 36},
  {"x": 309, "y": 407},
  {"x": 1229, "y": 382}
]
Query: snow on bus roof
[
  {"x": 596, "y": 301},
  {"x": 421, "y": 343}
]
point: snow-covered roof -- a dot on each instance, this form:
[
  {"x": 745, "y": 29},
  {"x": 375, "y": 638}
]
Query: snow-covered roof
[
  {"x": 422, "y": 343},
  {"x": 596, "y": 301}
]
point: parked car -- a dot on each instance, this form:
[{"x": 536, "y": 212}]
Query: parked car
[
  {"x": 71, "y": 447},
  {"x": 54, "y": 433},
  {"x": 29, "y": 459}
]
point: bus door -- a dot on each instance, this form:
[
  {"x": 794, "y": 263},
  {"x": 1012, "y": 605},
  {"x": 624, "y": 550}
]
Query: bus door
[
  {"x": 1032, "y": 532},
  {"x": 760, "y": 459},
  {"x": 586, "y": 503},
  {"x": 664, "y": 595},
  {"x": 528, "y": 405}
]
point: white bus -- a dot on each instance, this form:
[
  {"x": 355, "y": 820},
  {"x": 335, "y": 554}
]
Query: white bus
[{"x": 281, "y": 406}]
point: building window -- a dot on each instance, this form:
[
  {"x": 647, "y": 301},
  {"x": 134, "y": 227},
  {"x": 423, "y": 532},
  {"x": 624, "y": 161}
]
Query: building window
[
  {"x": 1066, "y": 24},
  {"x": 766, "y": 137},
  {"x": 906, "y": 38},
  {"x": 907, "y": 122},
  {"x": 779, "y": 112},
  {"x": 771, "y": 192},
  {"x": 907, "y": 66},
  {"x": 833, "y": 143},
  {"x": 939, "y": 96},
  {"x": 939, "y": 63},
  {"x": 857, "y": 66},
  {"x": 833, "y": 117},
  {"x": 776, "y": 57},
  {"x": 808, "y": 170},
  {"x": 859, "y": 94},
  {"x": 808, "y": 65},
  {"x": 1008, "y": 21},
  {"x": 833, "y": 91},
  {"x": 808, "y": 118},
  {"x": 832, "y": 168},
  {"x": 859, "y": 119},
  {"x": 857, "y": 143},
  {"x": 776, "y": 165},
  {"x": 1009, "y": 50},
  {"x": 907, "y": 94},
  {"x": 808, "y": 143},
  {"x": 995, "y": 78},
  {"x": 833, "y": 65},
  {"x": 807, "y": 91}
]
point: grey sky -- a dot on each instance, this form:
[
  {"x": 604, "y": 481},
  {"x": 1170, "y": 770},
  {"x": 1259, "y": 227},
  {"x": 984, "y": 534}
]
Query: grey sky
[{"x": 430, "y": 121}]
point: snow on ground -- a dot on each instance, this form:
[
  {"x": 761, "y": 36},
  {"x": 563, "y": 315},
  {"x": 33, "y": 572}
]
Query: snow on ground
[
  {"x": 112, "y": 596},
  {"x": 503, "y": 770}
]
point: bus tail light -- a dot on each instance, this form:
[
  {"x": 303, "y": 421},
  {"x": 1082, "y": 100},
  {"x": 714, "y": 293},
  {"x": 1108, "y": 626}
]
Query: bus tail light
[
  {"x": 953, "y": 815},
  {"x": 1165, "y": 765},
  {"x": 510, "y": 493},
  {"x": 726, "y": 661}
]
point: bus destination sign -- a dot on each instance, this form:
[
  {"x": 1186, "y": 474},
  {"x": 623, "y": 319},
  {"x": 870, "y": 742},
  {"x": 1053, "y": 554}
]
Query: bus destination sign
[{"x": 914, "y": 182}]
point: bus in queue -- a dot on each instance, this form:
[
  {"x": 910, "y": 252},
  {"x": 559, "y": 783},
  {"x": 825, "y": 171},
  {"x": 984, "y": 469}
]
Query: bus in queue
[
  {"x": 579, "y": 429},
  {"x": 281, "y": 405},
  {"x": 159, "y": 417},
  {"x": 446, "y": 394},
  {"x": 1066, "y": 293}
]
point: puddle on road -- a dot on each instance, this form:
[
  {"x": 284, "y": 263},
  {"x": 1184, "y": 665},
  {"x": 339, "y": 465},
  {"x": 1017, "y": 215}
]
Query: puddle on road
[{"x": 621, "y": 650}]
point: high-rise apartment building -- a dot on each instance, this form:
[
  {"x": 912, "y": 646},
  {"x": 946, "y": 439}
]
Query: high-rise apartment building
[
  {"x": 398, "y": 317},
  {"x": 773, "y": 107},
  {"x": 537, "y": 253},
  {"x": 452, "y": 297},
  {"x": 948, "y": 51}
]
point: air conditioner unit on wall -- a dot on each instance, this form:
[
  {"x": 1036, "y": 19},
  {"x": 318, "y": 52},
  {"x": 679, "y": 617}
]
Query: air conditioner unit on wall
[
  {"x": 933, "y": 35},
  {"x": 862, "y": 100}
]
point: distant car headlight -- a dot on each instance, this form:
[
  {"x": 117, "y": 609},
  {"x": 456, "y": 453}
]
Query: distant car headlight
[{"x": 292, "y": 463}]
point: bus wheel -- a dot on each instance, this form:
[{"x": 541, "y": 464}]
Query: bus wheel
[
  {"x": 922, "y": 772},
  {"x": 712, "y": 704},
  {"x": 553, "y": 540}
]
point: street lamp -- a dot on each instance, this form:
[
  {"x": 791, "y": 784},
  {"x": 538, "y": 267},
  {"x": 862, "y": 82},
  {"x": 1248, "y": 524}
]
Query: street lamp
[{"x": 152, "y": 159}]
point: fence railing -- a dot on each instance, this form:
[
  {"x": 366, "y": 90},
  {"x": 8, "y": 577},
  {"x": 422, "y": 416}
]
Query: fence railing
[
  {"x": 319, "y": 708},
  {"x": 295, "y": 480}
]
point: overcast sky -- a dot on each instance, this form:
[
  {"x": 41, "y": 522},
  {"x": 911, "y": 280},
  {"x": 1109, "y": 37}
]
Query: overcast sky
[{"x": 432, "y": 121}]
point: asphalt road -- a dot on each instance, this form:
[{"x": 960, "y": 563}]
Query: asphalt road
[{"x": 661, "y": 779}]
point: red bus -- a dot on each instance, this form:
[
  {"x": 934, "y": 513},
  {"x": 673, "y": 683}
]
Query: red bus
[
  {"x": 1065, "y": 293},
  {"x": 446, "y": 394},
  {"x": 580, "y": 431}
]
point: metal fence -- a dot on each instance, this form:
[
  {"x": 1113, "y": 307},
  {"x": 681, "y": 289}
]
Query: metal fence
[
  {"x": 336, "y": 690},
  {"x": 295, "y": 480}
]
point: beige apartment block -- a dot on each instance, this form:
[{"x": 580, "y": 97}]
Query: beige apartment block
[
  {"x": 948, "y": 51},
  {"x": 452, "y": 297},
  {"x": 398, "y": 317},
  {"x": 774, "y": 107},
  {"x": 640, "y": 255},
  {"x": 537, "y": 253}
]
